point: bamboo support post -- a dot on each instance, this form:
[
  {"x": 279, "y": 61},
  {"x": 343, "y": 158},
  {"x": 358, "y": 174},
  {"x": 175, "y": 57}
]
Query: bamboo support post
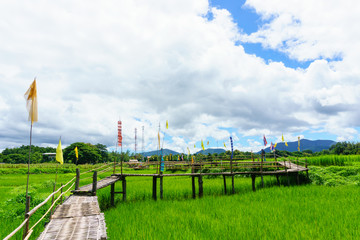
[
  {"x": 261, "y": 169},
  {"x": 124, "y": 188},
  {"x": 112, "y": 194},
  {"x": 27, "y": 209},
  {"x": 94, "y": 184},
  {"x": 161, "y": 187},
  {"x": 233, "y": 183},
  {"x": 201, "y": 189},
  {"x": 277, "y": 179},
  {"x": 77, "y": 181},
  {"x": 297, "y": 178},
  {"x": 307, "y": 171},
  {"x": 287, "y": 174},
  {"x": 253, "y": 176},
  {"x": 154, "y": 188},
  {"x": 193, "y": 187},
  {"x": 224, "y": 184}
]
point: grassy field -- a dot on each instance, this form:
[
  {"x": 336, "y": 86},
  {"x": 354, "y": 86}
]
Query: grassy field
[
  {"x": 325, "y": 209},
  {"x": 304, "y": 212}
]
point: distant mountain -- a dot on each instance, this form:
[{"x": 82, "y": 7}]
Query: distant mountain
[
  {"x": 211, "y": 151},
  {"x": 315, "y": 146},
  {"x": 168, "y": 152},
  {"x": 156, "y": 152}
]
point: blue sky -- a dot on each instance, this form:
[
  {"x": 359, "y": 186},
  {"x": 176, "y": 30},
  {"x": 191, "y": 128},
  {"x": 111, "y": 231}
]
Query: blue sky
[{"x": 212, "y": 69}]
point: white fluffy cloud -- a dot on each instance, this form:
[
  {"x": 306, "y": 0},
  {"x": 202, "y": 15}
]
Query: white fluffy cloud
[{"x": 151, "y": 61}]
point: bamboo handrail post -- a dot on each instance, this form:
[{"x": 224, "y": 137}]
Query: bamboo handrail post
[
  {"x": 94, "y": 184},
  {"x": 61, "y": 193},
  {"x": 77, "y": 181}
]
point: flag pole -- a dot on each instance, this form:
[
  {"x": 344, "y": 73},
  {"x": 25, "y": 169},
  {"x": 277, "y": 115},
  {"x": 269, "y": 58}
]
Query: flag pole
[{"x": 28, "y": 174}]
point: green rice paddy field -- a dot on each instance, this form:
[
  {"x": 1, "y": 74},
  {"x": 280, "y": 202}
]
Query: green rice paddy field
[{"x": 326, "y": 208}]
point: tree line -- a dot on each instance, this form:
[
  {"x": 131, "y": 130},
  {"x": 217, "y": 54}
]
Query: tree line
[{"x": 98, "y": 153}]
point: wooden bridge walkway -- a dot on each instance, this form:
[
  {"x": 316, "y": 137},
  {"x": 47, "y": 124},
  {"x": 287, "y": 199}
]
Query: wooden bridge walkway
[{"x": 79, "y": 217}]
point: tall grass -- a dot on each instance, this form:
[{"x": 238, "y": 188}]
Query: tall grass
[
  {"x": 305, "y": 212},
  {"x": 334, "y": 160}
]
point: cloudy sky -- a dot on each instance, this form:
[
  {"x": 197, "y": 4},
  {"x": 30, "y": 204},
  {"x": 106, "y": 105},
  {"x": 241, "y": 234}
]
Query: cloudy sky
[{"x": 213, "y": 69}]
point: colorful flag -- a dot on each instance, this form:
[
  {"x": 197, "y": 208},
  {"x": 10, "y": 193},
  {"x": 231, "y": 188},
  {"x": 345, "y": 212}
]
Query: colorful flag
[
  {"x": 159, "y": 138},
  {"x": 119, "y": 134},
  {"x": 232, "y": 150},
  {"x": 59, "y": 154},
  {"x": 299, "y": 144},
  {"x": 207, "y": 143},
  {"x": 272, "y": 147},
  {"x": 275, "y": 145},
  {"x": 167, "y": 124},
  {"x": 265, "y": 142},
  {"x": 282, "y": 138},
  {"x": 76, "y": 153},
  {"x": 192, "y": 159},
  {"x": 202, "y": 145},
  {"x": 31, "y": 102}
]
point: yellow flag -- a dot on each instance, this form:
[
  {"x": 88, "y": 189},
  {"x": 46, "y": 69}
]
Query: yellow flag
[
  {"x": 159, "y": 139},
  {"x": 31, "y": 102},
  {"x": 207, "y": 143},
  {"x": 282, "y": 137},
  {"x": 59, "y": 154},
  {"x": 224, "y": 145},
  {"x": 275, "y": 145},
  {"x": 192, "y": 159},
  {"x": 167, "y": 124},
  {"x": 76, "y": 153},
  {"x": 188, "y": 150},
  {"x": 194, "y": 145},
  {"x": 202, "y": 145},
  {"x": 299, "y": 144}
]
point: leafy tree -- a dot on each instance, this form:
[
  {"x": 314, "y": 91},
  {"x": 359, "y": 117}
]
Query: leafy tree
[
  {"x": 103, "y": 152},
  {"x": 88, "y": 153}
]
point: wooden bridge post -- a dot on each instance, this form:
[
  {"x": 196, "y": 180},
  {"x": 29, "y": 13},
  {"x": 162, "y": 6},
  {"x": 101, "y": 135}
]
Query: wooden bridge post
[
  {"x": 61, "y": 193},
  {"x": 253, "y": 176},
  {"x": 112, "y": 194},
  {"x": 201, "y": 190},
  {"x": 261, "y": 168},
  {"x": 233, "y": 183},
  {"x": 287, "y": 174},
  {"x": 124, "y": 188},
  {"x": 307, "y": 171},
  {"x": 224, "y": 184},
  {"x": 154, "y": 188},
  {"x": 277, "y": 179},
  {"x": 161, "y": 187},
  {"x": 94, "y": 184},
  {"x": 27, "y": 209},
  {"x": 193, "y": 187},
  {"x": 297, "y": 178},
  {"x": 77, "y": 181}
]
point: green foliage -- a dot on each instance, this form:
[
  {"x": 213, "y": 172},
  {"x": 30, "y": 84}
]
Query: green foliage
[{"x": 88, "y": 153}]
